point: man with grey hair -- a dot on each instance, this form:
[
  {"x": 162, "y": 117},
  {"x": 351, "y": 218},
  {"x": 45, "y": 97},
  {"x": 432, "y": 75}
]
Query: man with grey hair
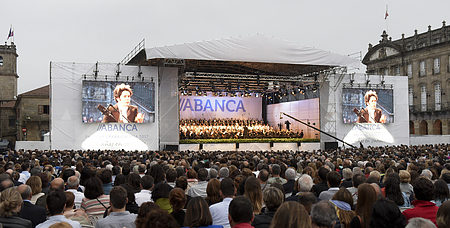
[
  {"x": 30, "y": 211},
  {"x": 289, "y": 185},
  {"x": 212, "y": 173},
  {"x": 323, "y": 214},
  {"x": 72, "y": 185},
  {"x": 420, "y": 223},
  {"x": 223, "y": 173},
  {"x": 347, "y": 175},
  {"x": 427, "y": 173},
  {"x": 305, "y": 183}
]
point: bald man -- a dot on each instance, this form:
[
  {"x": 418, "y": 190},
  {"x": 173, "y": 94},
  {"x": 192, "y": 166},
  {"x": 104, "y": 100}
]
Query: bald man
[
  {"x": 30, "y": 211},
  {"x": 56, "y": 185}
]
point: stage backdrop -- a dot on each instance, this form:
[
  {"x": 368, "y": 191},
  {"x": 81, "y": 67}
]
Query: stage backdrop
[
  {"x": 304, "y": 110},
  {"x": 214, "y": 107},
  {"x": 67, "y": 129}
]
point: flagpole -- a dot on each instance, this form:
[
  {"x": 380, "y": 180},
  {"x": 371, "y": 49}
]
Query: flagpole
[{"x": 385, "y": 19}]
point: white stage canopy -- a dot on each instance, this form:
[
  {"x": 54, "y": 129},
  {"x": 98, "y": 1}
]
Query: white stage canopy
[{"x": 257, "y": 48}]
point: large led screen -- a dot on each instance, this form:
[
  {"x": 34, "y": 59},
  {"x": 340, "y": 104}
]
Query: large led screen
[
  {"x": 114, "y": 101},
  {"x": 363, "y": 105}
]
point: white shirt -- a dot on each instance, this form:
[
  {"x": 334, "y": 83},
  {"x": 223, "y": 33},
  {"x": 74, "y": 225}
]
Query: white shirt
[
  {"x": 198, "y": 189},
  {"x": 23, "y": 176},
  {"x": 143, "y": 196},
  {"x": 56, "y": 219},
  {"x": 219, "y": 212},
  {"x": 78, "y": 197}
]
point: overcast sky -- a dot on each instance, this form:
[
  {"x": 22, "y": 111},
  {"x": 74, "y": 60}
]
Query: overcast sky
[{"x": 88, "y": 31}]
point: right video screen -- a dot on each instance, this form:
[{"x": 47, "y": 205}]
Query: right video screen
[{"x": 363, "y": 105}]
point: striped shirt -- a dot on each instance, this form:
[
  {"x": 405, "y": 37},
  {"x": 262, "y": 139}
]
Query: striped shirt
[{"x": 95, "y": 207}]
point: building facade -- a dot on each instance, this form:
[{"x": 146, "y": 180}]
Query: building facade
[
  {"x": 33, "y": 114},
  {"x": 8, "y": 92},
  {"x": 425, "y": 59}
]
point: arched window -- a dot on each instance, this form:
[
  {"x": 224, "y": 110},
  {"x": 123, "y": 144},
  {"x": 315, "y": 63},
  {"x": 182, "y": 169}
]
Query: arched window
[
  {"x": 423, "y": 127},
  {"x": 437, "y": 96},
  {"x": 411, "y": 128},
  {"x": 1, "y": 61},
  {"x": 437, "y": 127},
  {"x": 423, "y": 98}
]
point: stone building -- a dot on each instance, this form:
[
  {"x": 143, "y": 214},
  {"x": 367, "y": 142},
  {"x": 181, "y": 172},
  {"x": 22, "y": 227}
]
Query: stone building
[
  {"x": 425, "y": 59},
  {"x": 8, "y": 91},
  {"x": 33, "y": 114}
]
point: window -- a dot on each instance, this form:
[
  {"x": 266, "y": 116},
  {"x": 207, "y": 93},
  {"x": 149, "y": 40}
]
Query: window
[
  {"x": 43, "y": 109},
  {"x": 397, "y": 70},
  {"x": 436, "y": 66},
  {"x": 422, "y": 69},
  {"x": 12, "y": 121},
  {"x": 409, "y": 70},
  {"x": 437, "y": 96},
  {"x": 386, "y": 71},
  {"x": 1, "y": 61},
  {"x": 410, "y": 96},
  {"x": 423, "y": 98}
]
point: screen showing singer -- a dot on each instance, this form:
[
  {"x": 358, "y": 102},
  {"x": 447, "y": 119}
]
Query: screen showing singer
[
  {"x": 122, "y": 111},
  {"x": 371, "y": 114},
  {"x": 367, "y": 105},
  {"x": 118, "y": 101}
]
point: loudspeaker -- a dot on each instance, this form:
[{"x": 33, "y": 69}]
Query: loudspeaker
[
  {"x": 200, "y": 147},
  {"x": 171, "y": 147},
  {"x": 237, "y": 145},
  {"x": 299, "y": 144},
  {"x": 271, "y": 144},
  {"x": 331, "y": 145}
]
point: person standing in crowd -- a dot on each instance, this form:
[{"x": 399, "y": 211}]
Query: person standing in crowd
[
  {"x": 198, "y": 215},
  {"x": 323, "y": 214},
  {"x": 254, "y": 194},
  {"x": 36, "y": 188},
  {"x": 118, "y": 216},
  {"x": 323, "y": 185},
  {"x": 77, "y": 215},
  {"x": 366, "y": 198},
  {"x": 423, "y": 207},
  {"x": 30, "y": 211},
  {"x": 240, "y": 213},
  {"x": 94, "y": 202},
  {"x": 219, "y": 211},
  {"x": 386, "y": 214},
  {"x": 199, "y": 189},
  {"x": 56, "y": 201},
  {"x": 177, "y": 199},
  {"x": 213, "y": 192},
  {"x": 333, "y": 181},
  {"x": 73, "y": 183},
  {"x": 145, "y": 195},
  {"x": 10, "y": 206},
  {"x": 276, "y": 171},
  {"x": 273, "y": 198}
]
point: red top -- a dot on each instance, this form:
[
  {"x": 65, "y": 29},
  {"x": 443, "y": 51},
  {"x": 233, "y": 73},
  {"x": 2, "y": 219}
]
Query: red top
[
  {"x": 243, "y": 225},
  {"x": 423, "y": 209}
]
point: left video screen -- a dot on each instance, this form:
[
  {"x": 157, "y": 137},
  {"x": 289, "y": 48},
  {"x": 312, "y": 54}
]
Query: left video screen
[{"x": 120, "y": 102}]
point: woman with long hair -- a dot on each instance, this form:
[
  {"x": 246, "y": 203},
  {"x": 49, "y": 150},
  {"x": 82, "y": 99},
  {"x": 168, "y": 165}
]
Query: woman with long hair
[
  {"x": 198, "y": 215},
  {"x": 291, "y": 215},
  {"x": 366, "y": 198},
  {"x": 254, "y": 194},
  {"x": 441, "y": 192},
  {"x": 213, "y": 192},
  {"x": 343, "y": 202},
  {"x": 177, "y": 199},
  {"x": 36, "y": 188},
  {"x": 393, "y": 191}
]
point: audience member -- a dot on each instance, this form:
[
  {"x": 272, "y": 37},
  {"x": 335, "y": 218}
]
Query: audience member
[
  {"x": 219, "y": 211},
  {"x": 323, "y": 215},
  {"x": 423, "y": 207},
  {"x": 118, "y": 217},
  {"x": 240, "y": 212},
  {"x": 273, "y": 198},
  {"x": 30, "y": 211},
  {"x": 56, "y": 201},
  {"x": 10, "y": 206},
  {"x": 145, "y": 195},
  {"x": 198, "y": 215}
]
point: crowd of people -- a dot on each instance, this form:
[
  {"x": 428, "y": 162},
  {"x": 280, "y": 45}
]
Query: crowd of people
[
  {"x": 232, "y": 129},
  {"x": 391, "y": 186}
]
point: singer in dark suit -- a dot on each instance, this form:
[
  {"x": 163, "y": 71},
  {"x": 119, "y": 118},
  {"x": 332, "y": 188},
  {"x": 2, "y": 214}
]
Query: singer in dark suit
[
  {"x": 371, "y": 114},
  {"x": 123, "y": 112}
]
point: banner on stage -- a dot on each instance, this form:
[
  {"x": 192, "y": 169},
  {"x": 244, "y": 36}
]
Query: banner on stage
[{"x": 213, "y": 107}]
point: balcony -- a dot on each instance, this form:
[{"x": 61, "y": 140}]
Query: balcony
[{"x": 430, "y": 108}]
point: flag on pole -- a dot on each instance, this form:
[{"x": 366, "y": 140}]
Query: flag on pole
[
  {"x": 386, "y": 14},
  {"x": 11, "y": 33}
]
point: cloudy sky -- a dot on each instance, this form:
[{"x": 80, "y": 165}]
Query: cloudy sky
[{"x": 88, "y": 31}]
